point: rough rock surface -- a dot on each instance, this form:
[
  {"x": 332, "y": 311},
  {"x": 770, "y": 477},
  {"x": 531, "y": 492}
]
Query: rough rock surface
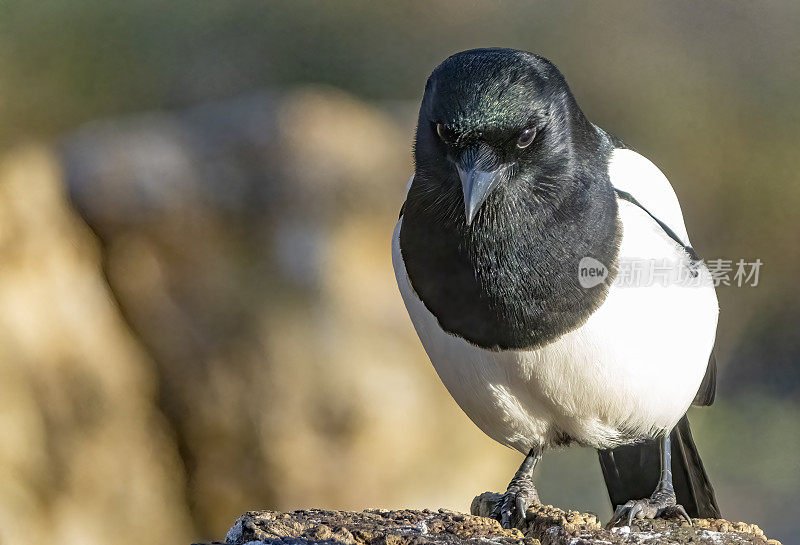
[
  {"x": 544, "y": 525},
  {"x": 378, "y": 526},
  {"x": 554, "y": 526}
]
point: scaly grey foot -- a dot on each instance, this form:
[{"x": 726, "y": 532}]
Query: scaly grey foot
[
  {"x": 520, "y": 494},
  {"x": 662, "y": 504}
]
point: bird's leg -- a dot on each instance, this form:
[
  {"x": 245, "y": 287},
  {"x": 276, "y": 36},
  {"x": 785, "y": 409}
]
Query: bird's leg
[
  {"x": 662, "y": 503},
  {"x": 520, "y": 493}
]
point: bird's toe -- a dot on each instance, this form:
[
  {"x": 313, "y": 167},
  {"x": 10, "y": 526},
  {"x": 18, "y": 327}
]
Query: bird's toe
[
  {"x": 513, "y": 505},
  {"x": 649, "y": 508}
]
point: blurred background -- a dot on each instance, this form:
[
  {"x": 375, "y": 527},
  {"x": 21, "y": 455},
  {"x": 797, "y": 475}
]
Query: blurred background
[{"x": 198, "y": 314}]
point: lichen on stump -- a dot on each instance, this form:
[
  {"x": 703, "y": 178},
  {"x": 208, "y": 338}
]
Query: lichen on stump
[
  {"x": 374, "y": 527},
  {"x": 554, "y": 526},
  {"x": 543, "y": 525}
]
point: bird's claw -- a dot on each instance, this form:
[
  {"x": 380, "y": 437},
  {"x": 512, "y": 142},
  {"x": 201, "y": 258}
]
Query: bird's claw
[
  {"x": 513, "y": 505},
  {"x": 659, "y": 506}
]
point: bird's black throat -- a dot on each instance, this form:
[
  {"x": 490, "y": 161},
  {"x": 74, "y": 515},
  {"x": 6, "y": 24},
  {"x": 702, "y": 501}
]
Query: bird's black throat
[{"x": 510, "y": 279}]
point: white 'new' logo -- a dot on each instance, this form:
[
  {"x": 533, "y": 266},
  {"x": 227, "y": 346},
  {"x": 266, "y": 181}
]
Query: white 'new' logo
[{"x": 591, "y": 272}]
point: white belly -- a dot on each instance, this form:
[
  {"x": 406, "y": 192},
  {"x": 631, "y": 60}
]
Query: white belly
[{"x": 631, "y": 370}]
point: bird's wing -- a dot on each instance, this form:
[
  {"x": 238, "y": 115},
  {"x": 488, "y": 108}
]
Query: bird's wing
[{"x": 639, "y": 181}]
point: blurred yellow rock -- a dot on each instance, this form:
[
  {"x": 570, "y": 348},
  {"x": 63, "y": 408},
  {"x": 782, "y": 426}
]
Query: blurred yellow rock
[{"x": 85, "y": 455}]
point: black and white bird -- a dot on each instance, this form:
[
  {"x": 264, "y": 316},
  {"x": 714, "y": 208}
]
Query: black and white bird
[{"x": 513, "y": 187}]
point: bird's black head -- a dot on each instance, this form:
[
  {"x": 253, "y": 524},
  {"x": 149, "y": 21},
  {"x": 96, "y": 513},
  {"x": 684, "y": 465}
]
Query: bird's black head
[
  {"x": 510, "y": 192},
  {"x": 499, "y": 123}
]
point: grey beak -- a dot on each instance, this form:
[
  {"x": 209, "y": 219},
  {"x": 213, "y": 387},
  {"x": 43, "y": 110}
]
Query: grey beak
[{"x": 480, "y": 173}]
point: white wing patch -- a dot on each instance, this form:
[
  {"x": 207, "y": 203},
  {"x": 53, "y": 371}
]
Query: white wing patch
[{"x": 636, "y": 175}]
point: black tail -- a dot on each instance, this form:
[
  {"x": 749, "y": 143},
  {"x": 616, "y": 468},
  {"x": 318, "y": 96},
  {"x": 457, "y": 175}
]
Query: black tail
[{"x": 631, "y": 473}]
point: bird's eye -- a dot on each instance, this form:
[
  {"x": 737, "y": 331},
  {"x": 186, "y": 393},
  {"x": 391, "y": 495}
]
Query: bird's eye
[
  {"x": 447, "y": 134},
  {"x": 525, "y": 138}
]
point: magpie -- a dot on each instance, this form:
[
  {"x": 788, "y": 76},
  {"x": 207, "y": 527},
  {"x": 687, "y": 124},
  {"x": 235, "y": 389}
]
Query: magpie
[{"x": 513, "y": 189}]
